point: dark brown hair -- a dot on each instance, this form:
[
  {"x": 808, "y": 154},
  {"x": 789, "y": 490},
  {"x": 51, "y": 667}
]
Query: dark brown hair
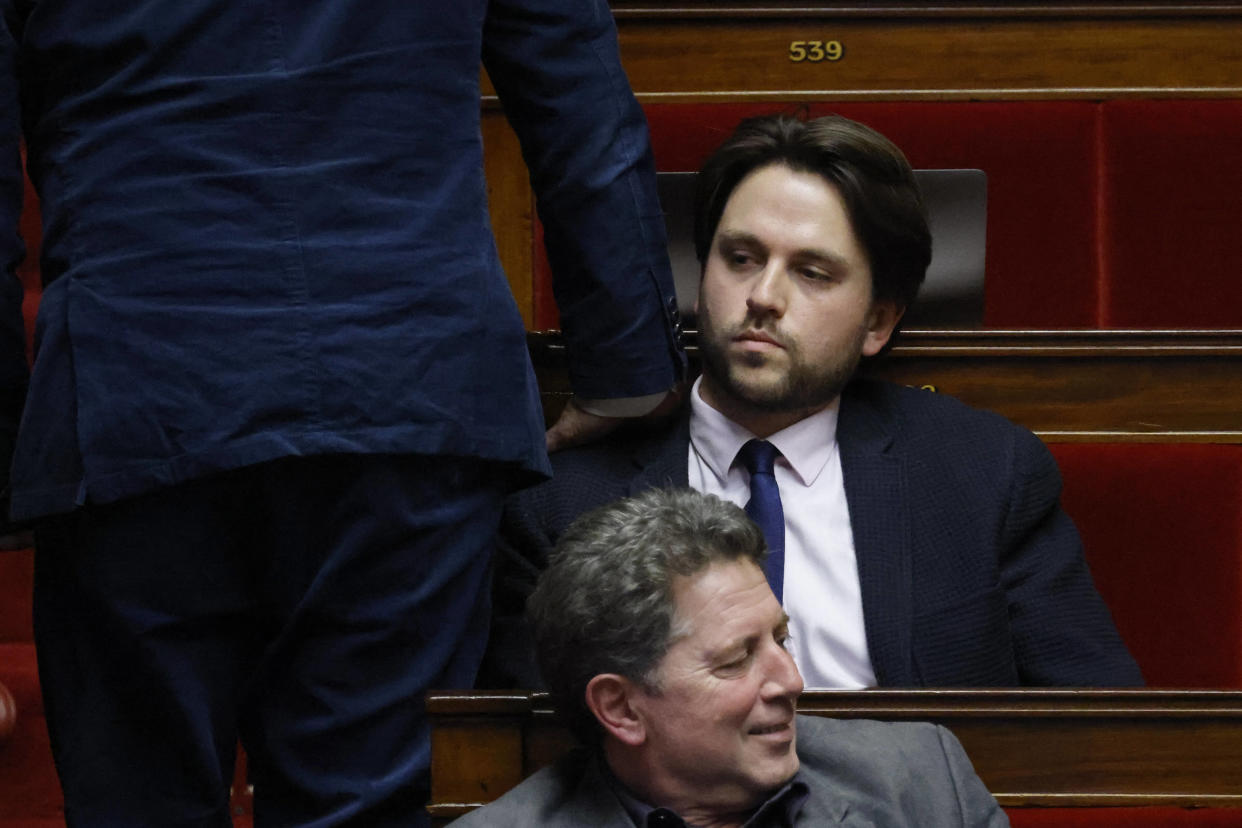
[{"x": 871, "y": 174}]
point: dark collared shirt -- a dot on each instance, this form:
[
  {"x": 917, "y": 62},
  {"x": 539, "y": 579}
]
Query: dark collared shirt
[{"x": 778, "y": 811}]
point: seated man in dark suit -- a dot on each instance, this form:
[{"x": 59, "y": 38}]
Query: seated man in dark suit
[
  {"x": 916, "y": 541},
  {"x": 660, "y": 637}
]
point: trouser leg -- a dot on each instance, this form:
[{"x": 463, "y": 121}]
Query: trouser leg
[
  {"x": 377, "y": 591},
  {"x": 142, "y": 621},
  {"x": 315, "y": 598}
]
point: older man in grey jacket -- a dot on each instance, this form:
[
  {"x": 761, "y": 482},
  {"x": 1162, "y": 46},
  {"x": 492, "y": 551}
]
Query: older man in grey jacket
[{"x": 657, "y": 631}]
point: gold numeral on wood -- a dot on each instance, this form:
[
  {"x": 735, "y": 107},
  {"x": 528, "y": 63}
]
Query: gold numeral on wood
[{"x": 815, "y": 51}]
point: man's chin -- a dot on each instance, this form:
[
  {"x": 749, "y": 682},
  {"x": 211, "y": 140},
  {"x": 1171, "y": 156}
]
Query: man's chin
[
  {"x": 759, "y": 389},
  {"x": 773, "y": 773}
]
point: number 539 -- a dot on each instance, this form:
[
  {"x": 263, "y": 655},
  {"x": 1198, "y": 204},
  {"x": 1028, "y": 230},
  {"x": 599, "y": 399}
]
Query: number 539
[{"x": 815, "y": 51}]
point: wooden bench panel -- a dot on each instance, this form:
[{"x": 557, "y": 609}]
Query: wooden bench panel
[
  {"x": 699, "y": 50},
  {"x": 1032, "y": 748},
  {"x": 1066, "y": 386}
]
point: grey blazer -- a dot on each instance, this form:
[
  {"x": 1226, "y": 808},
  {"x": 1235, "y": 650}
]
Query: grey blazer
[{"x": 860, "y": 773}]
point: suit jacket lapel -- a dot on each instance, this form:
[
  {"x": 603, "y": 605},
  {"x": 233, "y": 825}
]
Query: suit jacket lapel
[
  {"x": 875, "y": 479},
  {"x": 663, "y": 461}
]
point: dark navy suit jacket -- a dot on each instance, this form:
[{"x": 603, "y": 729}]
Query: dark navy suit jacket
[
  {"x": 266, "y": 233},
  {"x": 971, "y": 573}
]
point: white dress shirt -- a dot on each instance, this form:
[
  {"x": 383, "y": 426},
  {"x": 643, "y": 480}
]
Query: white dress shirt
[{"x": 822, "y": 594}]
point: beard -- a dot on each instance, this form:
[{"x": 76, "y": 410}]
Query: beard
[{"x": 803, "y": 386}]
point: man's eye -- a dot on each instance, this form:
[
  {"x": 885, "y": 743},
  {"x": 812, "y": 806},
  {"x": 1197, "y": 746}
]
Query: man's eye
[{"x": 815, "y": 274}]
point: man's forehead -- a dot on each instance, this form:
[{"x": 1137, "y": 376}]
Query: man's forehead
[
  {"x": 721, "y": 599},
  {"x": 772, "y": 199}
]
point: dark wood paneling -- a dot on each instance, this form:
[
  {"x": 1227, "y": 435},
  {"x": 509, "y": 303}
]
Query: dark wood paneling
[
  {"x": 1066, "y": 386},
  {"x": 511, "y": 206},
  {"x": 1074, "y": 748},
  {"x": 992, "y": 56}
]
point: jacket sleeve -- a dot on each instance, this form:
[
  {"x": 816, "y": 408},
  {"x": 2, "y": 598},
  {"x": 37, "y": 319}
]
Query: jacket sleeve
[
  {"x": 13, "y": 366},
  {"x": 1062, "y": 631},
  {"x": 556, "y": 67},
  {"x": 978, "y": 807}
]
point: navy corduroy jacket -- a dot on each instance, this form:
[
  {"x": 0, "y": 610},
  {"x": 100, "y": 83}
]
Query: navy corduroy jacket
[{"x": 266, "y": 233}]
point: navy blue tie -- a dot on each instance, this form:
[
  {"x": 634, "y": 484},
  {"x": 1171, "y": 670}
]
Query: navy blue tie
[{"x": 764, "y": 507}]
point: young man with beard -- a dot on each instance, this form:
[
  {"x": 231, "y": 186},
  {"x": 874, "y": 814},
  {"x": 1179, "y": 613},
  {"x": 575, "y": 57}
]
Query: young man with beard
[{"x": 917, "y": 542}]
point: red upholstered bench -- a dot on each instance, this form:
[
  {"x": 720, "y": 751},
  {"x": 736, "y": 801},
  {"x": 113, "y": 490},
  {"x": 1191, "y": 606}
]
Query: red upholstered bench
[
  {"x": 1108, "y": 214},
  {"x": 1162, "y": 528},
  {"x": 29, "y": 791}
]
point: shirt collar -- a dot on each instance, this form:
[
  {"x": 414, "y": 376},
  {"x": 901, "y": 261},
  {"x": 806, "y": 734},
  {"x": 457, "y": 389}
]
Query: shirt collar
[
  {"x": 780, "y": 809},
  {"x": 806, "y": 445}
]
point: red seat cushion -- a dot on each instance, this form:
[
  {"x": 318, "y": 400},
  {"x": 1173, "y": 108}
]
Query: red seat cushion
[
  {"x": 29, "y": 789},
  {"x": 1162, "y": 529},
  {"x": 1040, "y": 159},
  {"x": 16, "y": 585},
  {"x": 1172, "y": 196}
]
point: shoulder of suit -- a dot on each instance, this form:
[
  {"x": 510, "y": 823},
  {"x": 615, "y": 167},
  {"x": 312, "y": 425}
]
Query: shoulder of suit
[
  {"x": 536, "y": 799},
  {"x": 862, "y": 741}
]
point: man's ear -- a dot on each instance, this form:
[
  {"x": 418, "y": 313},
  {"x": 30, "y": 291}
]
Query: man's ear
[
  {"x": 610, "y": 698},
  {"x": 881, "y": 323}
]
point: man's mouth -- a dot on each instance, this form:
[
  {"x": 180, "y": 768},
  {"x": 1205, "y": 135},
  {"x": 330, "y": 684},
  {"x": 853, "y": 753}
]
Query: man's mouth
[
  {"x": 779, "y": 727},
  {"x": 758, "y": 337}
]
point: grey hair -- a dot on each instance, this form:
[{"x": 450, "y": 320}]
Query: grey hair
[{"x": 605, "y": 604}]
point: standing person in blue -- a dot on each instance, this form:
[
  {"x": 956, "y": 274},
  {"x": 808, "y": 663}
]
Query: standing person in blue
[{"x": 280, "y": 385}]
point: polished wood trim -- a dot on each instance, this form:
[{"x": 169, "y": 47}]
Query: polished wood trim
[
  {"x": 914, "y": 705},
  {"x": 1070, "y": 342},
  {"x": 1066, "y": 386},
  {"x": 711, "y": 51},
  {"x": 1064, "y": 747},
  {"x": 939, "y": 53},
  {"x": 623, "y": 9},
  {"x": 511, "y": 205}
]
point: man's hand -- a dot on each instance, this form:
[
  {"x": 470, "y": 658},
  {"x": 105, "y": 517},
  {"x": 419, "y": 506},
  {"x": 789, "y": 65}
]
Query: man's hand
[{"x": 575, "y": 427}]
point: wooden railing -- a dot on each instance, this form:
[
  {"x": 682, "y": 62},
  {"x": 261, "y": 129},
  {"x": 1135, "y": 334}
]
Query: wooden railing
[
  {"x": 723, "y": 49},
  {"x": 1095, "y": 385},
  {"x": 1032, "y": 748}
]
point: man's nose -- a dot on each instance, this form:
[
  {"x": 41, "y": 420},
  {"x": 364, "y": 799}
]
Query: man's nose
[
  {"x": 783, "y": 680},
  {"x": 767, "y": 292}
]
